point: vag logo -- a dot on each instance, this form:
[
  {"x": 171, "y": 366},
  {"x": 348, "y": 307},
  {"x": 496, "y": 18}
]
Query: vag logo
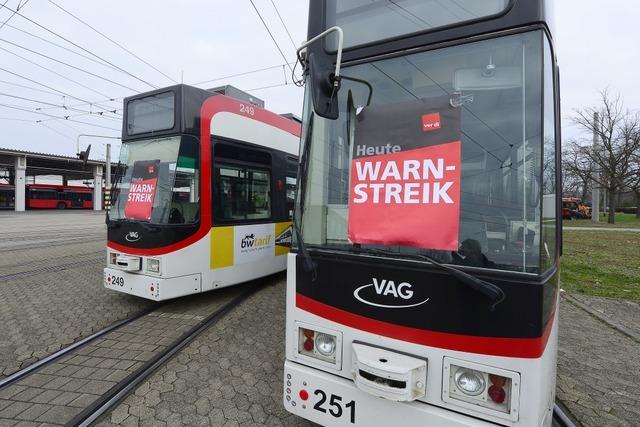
[
  {"x": 132, "y": 236},
  {"x": 387, "y": 291}
]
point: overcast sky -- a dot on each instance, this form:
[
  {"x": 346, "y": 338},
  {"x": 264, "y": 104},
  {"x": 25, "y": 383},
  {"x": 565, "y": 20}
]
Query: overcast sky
[{"x": 193, "y": 41}]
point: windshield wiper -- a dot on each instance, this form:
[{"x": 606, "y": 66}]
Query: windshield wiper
[
  {"x": 488, "y": 289},
  {"x": 309, "y": 264}
]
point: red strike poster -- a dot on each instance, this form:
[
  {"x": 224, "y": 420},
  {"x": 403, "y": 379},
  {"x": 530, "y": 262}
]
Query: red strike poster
[
  {"x": 405, "y": 175},
  {"x": 142, "y": 190}
]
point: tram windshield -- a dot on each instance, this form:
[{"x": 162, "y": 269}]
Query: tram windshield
[
  {"x": 473, "y": 183},
  {"x": 158, "y": 181}
]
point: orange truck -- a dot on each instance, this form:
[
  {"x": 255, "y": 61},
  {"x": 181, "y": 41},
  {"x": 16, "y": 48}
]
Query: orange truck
[{"x": 573, "y": 208}]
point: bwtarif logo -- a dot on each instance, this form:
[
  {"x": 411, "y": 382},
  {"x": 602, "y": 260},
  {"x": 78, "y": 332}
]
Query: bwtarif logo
[{"x": 249, "y": 241}]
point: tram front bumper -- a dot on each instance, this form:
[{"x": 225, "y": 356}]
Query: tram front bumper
[
  {"x": 334, "y": 401},
  {"x": 151, "y": 287}
]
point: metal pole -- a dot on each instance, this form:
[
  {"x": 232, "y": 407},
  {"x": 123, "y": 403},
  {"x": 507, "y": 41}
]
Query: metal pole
[
  {"x": 595, "y": 187},
  {"x": 107, "y": 175},
  {"x": 107, "y": 179}
]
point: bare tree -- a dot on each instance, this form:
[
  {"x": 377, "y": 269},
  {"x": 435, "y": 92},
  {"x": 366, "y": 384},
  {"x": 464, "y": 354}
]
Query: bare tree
[
  {"x": 611, "y": 163},
  {"x": 634, "y": 182},
  {"x": 576, "y": 173}
]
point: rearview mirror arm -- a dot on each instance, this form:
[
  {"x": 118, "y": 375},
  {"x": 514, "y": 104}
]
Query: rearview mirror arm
[{"x": 336, "y": 74}]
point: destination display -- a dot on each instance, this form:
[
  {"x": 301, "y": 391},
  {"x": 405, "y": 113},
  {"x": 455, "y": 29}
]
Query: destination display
[{"x": 405, "y": 175}]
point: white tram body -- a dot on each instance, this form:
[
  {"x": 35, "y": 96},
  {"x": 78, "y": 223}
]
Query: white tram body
[
  {"x": 227, "y": 222},
  {"x": 423, "y": 282}
]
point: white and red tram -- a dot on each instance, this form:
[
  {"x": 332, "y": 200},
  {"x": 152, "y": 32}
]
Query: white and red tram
[
  {"x": 422, "y": 288},
  {"x": 204, "y": 195}
]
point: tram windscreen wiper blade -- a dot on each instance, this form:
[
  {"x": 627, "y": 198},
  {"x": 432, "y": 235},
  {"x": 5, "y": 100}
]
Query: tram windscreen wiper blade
[
  {"x": 491, "y": 291},
  {"x": 309, "y": 264}
]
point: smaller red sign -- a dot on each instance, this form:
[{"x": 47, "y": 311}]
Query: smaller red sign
[
  {"x": 431, "y": 122},
  {"x": 142, "y": 190}
]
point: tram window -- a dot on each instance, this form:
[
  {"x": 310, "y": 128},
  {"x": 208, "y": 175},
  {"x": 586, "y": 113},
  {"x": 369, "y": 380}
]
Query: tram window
[
  {"x": 549, "y": 164},
  {"x": 241, "y": 194},
  {"x": 176, "y": 198},
  {"x": 501, "y": 133},
  {"x": 152, "y": 113},
  {"x": 366, "y": 21},
  {"x": 185, "y": 193},
  {"x": 291, "y": 185},
  {"x": 43, "y": 195}
]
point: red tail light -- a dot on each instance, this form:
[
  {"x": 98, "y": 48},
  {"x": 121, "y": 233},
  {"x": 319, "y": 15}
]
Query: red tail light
[{"x": 497, "y": 394}]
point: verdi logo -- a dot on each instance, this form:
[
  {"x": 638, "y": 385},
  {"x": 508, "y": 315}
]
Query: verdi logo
[
  {"x": 251, "y": 242},
  {"x": 386, "y": 293}
]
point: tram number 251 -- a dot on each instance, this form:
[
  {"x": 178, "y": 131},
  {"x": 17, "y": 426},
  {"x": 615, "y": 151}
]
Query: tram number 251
[{"x": 334, "y": 406}]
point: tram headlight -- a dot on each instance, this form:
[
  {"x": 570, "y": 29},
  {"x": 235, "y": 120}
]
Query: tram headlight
[
  {"x": 321, "y": 345},
  {"x": 113, "y": 258},
  {"x": 470, "y": 382},
  {"x": 153, "y": 265},
  {"x": 325, "y": 344},
  {"x": 485, "y": 389}
]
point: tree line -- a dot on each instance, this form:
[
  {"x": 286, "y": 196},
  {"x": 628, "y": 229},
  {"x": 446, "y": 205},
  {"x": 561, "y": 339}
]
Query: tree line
[{"x": 611, "y": 161}]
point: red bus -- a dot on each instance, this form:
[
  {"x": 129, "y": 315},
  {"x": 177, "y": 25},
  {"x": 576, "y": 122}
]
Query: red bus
[
  {"x": 45, "y": 196},
  {"x": 7, "y": 196}
]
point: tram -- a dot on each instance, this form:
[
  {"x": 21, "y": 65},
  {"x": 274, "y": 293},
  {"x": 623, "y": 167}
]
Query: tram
[
  {"x": 422, "y": 286},
  {"x": 204, "y": 196}
]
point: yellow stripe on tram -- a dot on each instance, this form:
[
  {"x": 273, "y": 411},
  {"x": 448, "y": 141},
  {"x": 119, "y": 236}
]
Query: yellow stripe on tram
[{"x": 221, "y": 247}]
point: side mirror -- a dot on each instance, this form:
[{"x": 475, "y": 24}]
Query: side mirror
[
  {"x": 84, "y": 155},
  {"x": 324, "y": 80},
  {"x": 324, "y": 87}
]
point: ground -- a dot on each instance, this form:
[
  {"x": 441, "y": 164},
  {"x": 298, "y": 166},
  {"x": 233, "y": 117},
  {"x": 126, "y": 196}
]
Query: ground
[
  {"x": 622, "y": 221},
  {"x": 601, "y": 263}
]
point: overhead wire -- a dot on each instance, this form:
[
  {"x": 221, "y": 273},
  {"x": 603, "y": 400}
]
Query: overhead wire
[
  {"x": 271, "y": 35},
  {"x": 295, "y": 48},
  {"x": 78, "y": 46},
  {"x": 52, "y": 117},
  {"x": 111, "y": 40},
  {"x": 239, "y": 74},
  {"x": 52, "y": 88},
  {"x": 99, "y": 113},
  {"x": 55, "y": 130},
  {"x": 54, "y": 72},
  {"x": 13, "y": 14},
  {"x": 65, "y": 64},
  {"x": 29, "y": 87},
  {"x": 63, "y": 47}
]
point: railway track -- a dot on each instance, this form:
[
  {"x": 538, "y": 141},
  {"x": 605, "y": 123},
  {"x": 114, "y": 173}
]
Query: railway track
[
  {"x": 190, "y": 324},
  {"x": 562, "y": 417}
]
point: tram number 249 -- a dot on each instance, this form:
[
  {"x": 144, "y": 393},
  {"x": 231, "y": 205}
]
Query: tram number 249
[
  {"x": 115, "y": 280},
  {"x": 334, "y": 406}
]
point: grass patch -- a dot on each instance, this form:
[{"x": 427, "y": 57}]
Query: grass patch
[
  {"x": 601, "y": 263},
  {"x": 623, "y": 220}
]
